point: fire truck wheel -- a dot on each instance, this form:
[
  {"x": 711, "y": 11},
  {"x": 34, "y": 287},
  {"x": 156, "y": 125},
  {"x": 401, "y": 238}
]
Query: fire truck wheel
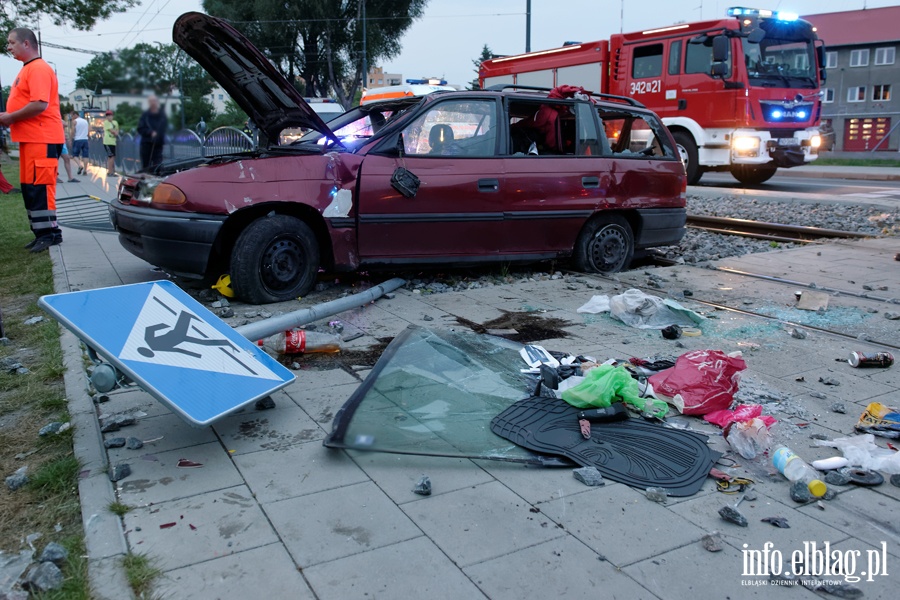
[
  {"x": 752, "y": 175},
  {"x": 605, "y": 245},
  {"x": 687, "y": 149}
]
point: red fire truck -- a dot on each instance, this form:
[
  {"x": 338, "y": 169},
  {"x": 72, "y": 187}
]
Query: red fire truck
[{"x": 739, "y": 94}]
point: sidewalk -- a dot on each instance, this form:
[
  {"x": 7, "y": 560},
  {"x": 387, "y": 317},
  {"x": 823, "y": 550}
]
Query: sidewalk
[
  {"x": 843, "y": 172},
  {"x": 272, "y": 513}
]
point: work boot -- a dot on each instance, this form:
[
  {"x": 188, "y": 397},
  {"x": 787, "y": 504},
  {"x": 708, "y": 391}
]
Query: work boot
[
  {"x": 44, "y": 242},
  {"x": 31, "y": 244}
]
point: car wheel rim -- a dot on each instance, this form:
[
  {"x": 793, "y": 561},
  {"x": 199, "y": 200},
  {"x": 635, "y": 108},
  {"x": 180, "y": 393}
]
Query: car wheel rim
[
  {"x": 683, "y": 153},
  {"x": 608, "y": 248},
  {"x": 282, "y": 264}
]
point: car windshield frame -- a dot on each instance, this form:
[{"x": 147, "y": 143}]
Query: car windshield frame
[{"x": 400, "y": 109}]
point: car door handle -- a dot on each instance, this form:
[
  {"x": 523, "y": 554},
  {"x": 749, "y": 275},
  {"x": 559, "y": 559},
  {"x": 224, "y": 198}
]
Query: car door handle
[
  {"x": 590, "y": 182},
  {"x": 488, "y": 185}
]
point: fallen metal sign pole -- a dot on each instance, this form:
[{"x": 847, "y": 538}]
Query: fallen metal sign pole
[{"x": 267, "y": 327}]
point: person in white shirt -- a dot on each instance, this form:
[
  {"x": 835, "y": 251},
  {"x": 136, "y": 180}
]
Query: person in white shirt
[{"x": 80, "y": 142}]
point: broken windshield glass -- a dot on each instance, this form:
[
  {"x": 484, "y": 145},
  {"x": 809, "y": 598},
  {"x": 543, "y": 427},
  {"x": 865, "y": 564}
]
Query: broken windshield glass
[{"x": 435, "y": 393}]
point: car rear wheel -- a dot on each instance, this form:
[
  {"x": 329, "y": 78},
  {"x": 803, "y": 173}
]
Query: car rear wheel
[
  {"x": 752, "y": 175},
  {"x": 606, "y": 245},
  {"x": 275, "y": 258},
  {"x": 687, "y": 150}
]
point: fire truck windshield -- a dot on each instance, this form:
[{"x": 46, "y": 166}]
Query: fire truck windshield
[{"x": 776, "y": 62}]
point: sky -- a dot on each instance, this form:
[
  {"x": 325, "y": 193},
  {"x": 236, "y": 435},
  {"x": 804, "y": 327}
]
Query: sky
[{"x": 445, "y": 41}]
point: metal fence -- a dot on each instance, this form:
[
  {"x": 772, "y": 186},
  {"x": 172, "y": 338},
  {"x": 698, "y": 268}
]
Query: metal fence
[{"x": 180, "y": 145}]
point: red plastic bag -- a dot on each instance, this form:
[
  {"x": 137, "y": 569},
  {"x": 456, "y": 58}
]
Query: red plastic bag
[
  {"x": 701, "y": 381},
  {"x": 744, "y": 412}
]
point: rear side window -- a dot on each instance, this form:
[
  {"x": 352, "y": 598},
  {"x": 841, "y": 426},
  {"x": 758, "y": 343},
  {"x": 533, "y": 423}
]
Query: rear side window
[
  {"x": 631, "y": 135},
  {"x": 552, "y": 128},
  {"x": 454, "y": 128},
  {"x": 647, "y": 61},
  {"x": 675, "y": 58}
]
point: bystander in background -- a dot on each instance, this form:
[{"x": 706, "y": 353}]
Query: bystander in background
[
  {"x": 110, "y": 133},
  {"x": 152, "y": 129},
  {"x": 80, "y": 149}
]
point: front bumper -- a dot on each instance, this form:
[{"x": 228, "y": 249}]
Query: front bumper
[
  {"x": 660, "y": 227},
  {"x": 778, "y": 152},
  {"x": 178, "y": 242}
]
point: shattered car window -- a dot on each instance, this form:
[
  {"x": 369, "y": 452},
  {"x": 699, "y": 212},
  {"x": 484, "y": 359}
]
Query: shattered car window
[
  {"x": 361, "y": 123},
  {"x": 435, "y": 393}
]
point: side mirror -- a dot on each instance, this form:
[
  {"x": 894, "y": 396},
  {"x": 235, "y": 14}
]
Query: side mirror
[
  {"x": 720, "y": 49},
  {"x": 718, "y": 69}
]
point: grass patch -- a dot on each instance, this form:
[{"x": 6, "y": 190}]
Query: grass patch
[
  {"x": 119, "y": 509},
  {"x": 141, "y": 573},
  {"x": 857, "y": 162},
  {"x": 49, "y": 504}
]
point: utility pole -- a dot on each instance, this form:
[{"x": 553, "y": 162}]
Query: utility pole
[
  {"x": 365, "y": 63},
  {"x": 527, "y": 25}
]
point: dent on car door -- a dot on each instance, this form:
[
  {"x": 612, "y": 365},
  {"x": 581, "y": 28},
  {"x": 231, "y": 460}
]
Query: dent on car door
[{"x": 435, "y": 192}]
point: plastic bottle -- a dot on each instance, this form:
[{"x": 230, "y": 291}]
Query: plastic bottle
[
  {"x": 795, "y": 469},
  {"x": 299, "y": 341}
]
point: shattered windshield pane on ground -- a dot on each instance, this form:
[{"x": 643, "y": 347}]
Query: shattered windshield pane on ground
[{"x": 435, "y": 393}]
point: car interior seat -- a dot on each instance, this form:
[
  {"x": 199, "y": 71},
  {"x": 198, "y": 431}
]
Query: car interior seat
[{"x": 439, "y": 137}]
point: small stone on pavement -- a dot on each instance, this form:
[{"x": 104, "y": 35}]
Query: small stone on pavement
[
  {"x": 712, "y": 542},
  {"x": 134, "y": 443},
  {"x": 54, "y": 553},
  {"x": 589, "y": 476},
  {"x": 265, "y": 403},
  {"x": 423, "y": 486},
  {"x": 837, "y": 478},
  {"x": 116, "y": 442},
  {"x": 119, "y": 472},
  {"x": 733, "y": 515},
  {"x": 46, "y": 576},
  {"x": 800, "y": 492},
  {"x": 839, "y": 407}
]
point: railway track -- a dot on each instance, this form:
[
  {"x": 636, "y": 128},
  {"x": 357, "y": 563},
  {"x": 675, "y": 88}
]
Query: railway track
[{"x": 775, "y": 232}]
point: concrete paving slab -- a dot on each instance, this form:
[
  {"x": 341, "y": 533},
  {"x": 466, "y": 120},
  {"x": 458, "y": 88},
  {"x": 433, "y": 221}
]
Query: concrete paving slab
[
  {"x": 397, "y": 474},
  {"x": 160, "y": 480},
  {"x": 410, "y": 569},
  {"x": 132, "y": 401},
  {"x": 602, "y": 518},
  {"x": 175, "y": 434},
  {"x": 317, "y": 379},
  {"x": 238, "y": 576},
  {"x": 299, "y": 470},
  {"x": 481, "y": 522},
  {"x": 867, "y": 516},
  {"x": 322, "y": 404},
  {"x": 560, "y": 568},
  {"x": 275, "y": 429},
  {"x": 337, "y": 523},
  {"x": 877, "y": 582},
  {"x": 703, "y": 512},
  {"x": 224, "y": 522},
  {"x": 536, "y": 484}
]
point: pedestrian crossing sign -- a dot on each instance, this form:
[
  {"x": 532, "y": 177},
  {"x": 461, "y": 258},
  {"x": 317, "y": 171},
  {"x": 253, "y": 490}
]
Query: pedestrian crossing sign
[{"x": 172, "y": 346}]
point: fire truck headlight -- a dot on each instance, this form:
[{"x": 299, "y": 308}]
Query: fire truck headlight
[
  {"x": 815, "y": 141},
  {"x": 746, "y": 146}
]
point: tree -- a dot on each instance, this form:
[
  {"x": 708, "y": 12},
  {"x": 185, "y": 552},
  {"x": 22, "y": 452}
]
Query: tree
[
  {"x": 486, "y": 54},
  {"x": 157, "y": 67},
  {"x": 80, "y": 14},
  {"x": 127, "y": 116},
  {"x": 233, "y": 116},
  {"x": 320, "y": 41}
]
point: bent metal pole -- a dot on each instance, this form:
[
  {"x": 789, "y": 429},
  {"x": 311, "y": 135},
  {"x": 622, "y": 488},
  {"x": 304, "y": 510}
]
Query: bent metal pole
[{"x": 265, "y": 328}]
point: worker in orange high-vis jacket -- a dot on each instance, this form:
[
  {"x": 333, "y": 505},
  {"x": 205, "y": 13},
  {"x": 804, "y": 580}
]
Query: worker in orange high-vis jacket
[{"x": 35, "y": 123}]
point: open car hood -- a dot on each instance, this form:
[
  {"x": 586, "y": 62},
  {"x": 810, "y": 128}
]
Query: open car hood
[{"x": 248, "y": 76}]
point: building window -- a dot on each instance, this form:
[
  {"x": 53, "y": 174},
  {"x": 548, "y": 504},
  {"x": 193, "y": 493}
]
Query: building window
[
  {"x": 856, "y": 93},
  {"x": 884, "y": 56},
  {"x": 881, "y": 92},
  {"x": 831, "y": 60},
  {"x": 828, "y": 95},
  {"x": 859, "y": 58},
  {"x": 220, "y": 97}
]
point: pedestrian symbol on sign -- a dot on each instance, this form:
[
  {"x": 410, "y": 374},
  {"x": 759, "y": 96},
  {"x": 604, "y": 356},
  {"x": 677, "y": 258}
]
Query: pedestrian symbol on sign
[{"x": 177, "y": 334}]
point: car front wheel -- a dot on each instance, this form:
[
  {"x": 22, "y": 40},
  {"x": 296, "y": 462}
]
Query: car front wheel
[
  {"x": 606, "y": 245},
  {"x": 275, "y": 258}
]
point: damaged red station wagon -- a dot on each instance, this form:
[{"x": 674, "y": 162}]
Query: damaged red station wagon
[{"x": 450, "y": 178}]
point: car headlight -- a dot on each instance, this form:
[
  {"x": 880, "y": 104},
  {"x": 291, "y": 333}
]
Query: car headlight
[
  {"x": 815, "y": 141},
  {"x": 145, "y": 190}
]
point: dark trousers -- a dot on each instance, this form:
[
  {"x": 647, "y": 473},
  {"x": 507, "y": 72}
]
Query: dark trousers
[
  {"x": 151, "y": 155},
  {"x": 38, "y": 165}
]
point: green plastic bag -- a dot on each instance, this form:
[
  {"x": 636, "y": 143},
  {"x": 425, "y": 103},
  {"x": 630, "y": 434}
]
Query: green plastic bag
[{"x": 606, "y": 384}]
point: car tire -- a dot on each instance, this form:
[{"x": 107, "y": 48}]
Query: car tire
[
  {"x": 605, "y": 245},
  {"x": 752, "y": 175},
  {"x": 275, "y": 258},
  {"x": 687, "y": 150}
]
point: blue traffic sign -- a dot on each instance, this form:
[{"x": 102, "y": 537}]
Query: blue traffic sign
[{"x": 172, "y": 346}]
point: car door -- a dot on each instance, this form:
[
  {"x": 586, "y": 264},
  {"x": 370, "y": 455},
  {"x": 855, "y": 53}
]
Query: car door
[
  {"x": 433, "y": 192},
  {"x": 556, "y": 176}
]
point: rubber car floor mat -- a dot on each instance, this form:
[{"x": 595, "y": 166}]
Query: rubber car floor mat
[{"x": 634, "y": 452}]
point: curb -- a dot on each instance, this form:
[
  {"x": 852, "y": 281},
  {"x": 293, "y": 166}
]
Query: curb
[
  {"x": 841, "y": 174},
  {"x": 104, "y": 537}
]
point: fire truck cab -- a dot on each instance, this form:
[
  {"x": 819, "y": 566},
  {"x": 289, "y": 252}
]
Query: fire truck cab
[{"x": 739, "y": 94}]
